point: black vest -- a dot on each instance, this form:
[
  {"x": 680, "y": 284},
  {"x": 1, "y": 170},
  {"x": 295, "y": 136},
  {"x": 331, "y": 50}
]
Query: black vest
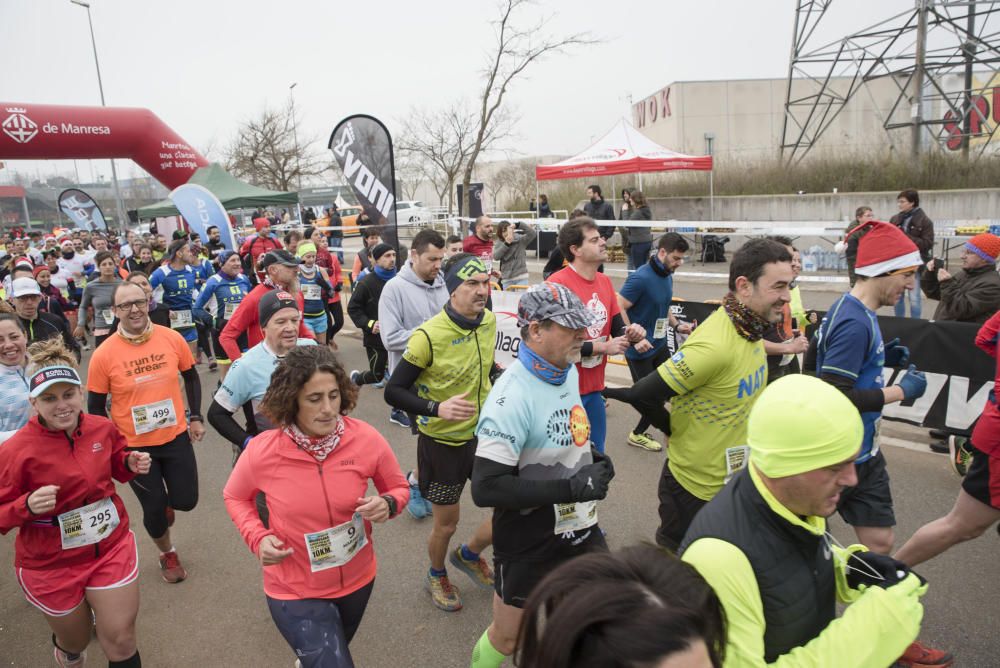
[{"x": 793, "y": 567}]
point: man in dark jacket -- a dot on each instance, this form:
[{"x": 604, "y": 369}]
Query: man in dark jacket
[
  {"x": 972, "y": 294},
  {"x": 916, "y": 225},
  {"x": 598, "y": 209},
  {"x": 363, "y": 310},
  {"x": 26, "y": 295}
]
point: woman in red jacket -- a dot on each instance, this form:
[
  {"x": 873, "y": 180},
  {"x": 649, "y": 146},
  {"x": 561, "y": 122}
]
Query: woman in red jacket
[
  {"x": 74, "y": 551},
  {"x": 318, "y": 558}
]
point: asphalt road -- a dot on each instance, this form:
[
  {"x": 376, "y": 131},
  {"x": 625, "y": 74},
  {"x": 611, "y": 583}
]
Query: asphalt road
[{"x": 218, "y": 616}]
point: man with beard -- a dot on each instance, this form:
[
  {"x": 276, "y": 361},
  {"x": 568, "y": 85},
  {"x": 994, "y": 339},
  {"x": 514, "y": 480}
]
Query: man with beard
[
  {"x": 480, "y": 243},
  {"x": 713, "y": 381},
  {"x": 214, "y": 245},
  {"x": 598, "y": 209}
]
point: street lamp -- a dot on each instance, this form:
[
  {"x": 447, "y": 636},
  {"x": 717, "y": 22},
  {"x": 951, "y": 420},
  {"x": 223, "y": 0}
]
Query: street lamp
[
  {"x": 295, "y": 129},
  {"x": 119, "y": 204}
]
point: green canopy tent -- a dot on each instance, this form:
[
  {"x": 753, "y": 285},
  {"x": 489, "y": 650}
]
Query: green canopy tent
[{"x": 233, "y": 193}]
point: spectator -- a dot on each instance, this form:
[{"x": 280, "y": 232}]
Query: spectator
[
  {"x": 598, "y": 209},
  {"x": 972, "y": 294},
  {"x": 640, "y": 238},
  {"x": 336, "y": 240},
  {"x": 861, "y": 216},
  {"x": 511, "y": 251},
  {"x": 920, "y": 229},
  {"x": 543, "y": 207}
]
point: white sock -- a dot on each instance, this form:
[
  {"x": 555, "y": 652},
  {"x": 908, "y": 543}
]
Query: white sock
[
  {"x": 412, "y": 479},
  {"x": 172, "y": 549}
]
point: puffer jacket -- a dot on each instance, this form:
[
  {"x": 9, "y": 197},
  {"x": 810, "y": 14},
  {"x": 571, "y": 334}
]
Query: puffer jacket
[{"x": 971, "y": 295}]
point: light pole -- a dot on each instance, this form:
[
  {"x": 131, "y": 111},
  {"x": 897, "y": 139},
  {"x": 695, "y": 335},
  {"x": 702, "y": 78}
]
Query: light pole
[
  {"x": 119, "y": 204},
  {"x": 295, "y": 132}
]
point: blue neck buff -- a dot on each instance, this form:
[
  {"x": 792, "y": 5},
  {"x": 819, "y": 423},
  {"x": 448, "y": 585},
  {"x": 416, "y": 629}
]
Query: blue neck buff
[
  {"x": 384, "y": 274},
  {"x": 541, "y": 369}
]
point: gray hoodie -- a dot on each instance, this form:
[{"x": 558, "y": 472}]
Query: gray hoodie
[{"x": 406, "y": 303}]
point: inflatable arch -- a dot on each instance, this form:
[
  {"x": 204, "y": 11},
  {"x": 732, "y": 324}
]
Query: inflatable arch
[{"x": 53, "y": 132}]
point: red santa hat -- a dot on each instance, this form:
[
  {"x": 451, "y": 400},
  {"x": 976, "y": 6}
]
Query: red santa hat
[{"x": 884, "y": 249}]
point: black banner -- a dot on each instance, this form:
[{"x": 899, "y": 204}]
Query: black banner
[
  {"x": 363, "y": 148},
  {"x": 476, "y": 208},
  {"x": 959, "y": 375},
  {"x": 82, "y": 210}
]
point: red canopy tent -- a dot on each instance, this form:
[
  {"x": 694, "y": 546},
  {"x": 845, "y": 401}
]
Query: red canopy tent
[{"x": 624, "y": 150}]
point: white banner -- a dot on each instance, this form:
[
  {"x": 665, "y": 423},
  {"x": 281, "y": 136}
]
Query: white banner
[{"x": 508, "y": 333}]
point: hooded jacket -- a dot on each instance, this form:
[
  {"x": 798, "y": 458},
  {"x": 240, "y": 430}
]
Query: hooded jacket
[
  {"x": 406, "y": 303},
  {"x": 84, "y": 466},
  {"x": 513, "y": 257},
  {"x": 306, "y": 496}
]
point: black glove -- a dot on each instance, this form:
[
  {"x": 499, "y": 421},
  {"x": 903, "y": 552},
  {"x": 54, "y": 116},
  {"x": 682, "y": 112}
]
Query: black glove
[
  {"x": 875, "y": 570},
  {"x": 599, "y": 457},
  {"x": 590, "y": 483},
  {"x": 338, "y": 287}
]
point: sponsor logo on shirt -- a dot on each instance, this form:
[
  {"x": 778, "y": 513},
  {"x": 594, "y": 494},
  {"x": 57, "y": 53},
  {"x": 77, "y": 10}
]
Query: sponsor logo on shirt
[
  {"x": 96, "y": 447},
  {"x": 752, "y": 383},
  {"x": 486, "y": 432},
  {"x": 579, "y": 426}
]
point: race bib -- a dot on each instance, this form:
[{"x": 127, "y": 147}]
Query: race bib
[
  {"x": 593, "y": 360},
  {"x": 108, "y": 316},
  {"x": 660, "y": 330},
  {"x": 181, "y": 319},
  {"x": 334, "y": 547},
  {"x": 311, "y": 292},
  {"x": 736, "y": 459},
  {"x": 875, "y": 440},
  {"x": 150, "y": 417},
  {"x": 575, "y": 516},
  {"x": 229, "y": 310},
  {"x": 88, "y": 525}
]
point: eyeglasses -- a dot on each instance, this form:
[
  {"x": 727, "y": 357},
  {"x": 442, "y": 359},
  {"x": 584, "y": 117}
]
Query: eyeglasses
[{"x": 126, "y": 307}]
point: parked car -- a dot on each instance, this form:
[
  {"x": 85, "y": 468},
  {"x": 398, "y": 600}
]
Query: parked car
[{"x": 413, "y": 212}]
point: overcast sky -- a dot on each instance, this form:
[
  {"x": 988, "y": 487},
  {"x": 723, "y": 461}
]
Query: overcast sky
[{"x": 205, "y": 65}]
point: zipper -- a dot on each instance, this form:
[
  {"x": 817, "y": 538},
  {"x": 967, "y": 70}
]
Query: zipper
[{"x": 329, "y": 511}]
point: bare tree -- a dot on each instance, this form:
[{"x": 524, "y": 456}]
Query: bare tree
[
  {"x": 442, "y": 140},
  {"x": 514, "y": 51},
  {"x": 265, "y": 153},
  {"x": 518, "y": 178},
  {"x": 411, "y": 172}
]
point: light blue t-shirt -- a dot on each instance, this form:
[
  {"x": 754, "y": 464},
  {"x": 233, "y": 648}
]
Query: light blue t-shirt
[
  {"x": 543, "y": 430},
  {"x": 15, "y": 409},
  {"x": 249, "y": 378}
]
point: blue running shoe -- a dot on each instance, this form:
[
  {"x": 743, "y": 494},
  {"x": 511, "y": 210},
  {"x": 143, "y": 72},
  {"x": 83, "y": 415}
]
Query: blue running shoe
[
  {"x": 418, "y": 506},
  {"x": 399, "y": 417}
]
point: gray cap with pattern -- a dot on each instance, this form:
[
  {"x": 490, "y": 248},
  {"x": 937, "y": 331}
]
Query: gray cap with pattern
[{"x": 555, "y": 302}]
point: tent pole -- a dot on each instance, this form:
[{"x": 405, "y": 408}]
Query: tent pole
[
  {"x": 711, "y": 193},
  {"x": 27, "y": 217},
  {"x": 640, "y": 182},
  {"x": 538, "y": 243}
]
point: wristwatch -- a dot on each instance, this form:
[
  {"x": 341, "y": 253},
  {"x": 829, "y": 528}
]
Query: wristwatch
[
  {"x": 392, "y": 504},
  {"x": 196, "y": 418}
]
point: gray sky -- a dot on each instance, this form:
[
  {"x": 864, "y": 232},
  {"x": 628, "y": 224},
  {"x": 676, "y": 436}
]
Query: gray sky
[{"x": 204, "y": 65}]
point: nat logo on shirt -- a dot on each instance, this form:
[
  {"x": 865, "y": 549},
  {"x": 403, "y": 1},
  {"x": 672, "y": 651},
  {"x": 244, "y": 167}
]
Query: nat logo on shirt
[{"x": 752, "y": 382}]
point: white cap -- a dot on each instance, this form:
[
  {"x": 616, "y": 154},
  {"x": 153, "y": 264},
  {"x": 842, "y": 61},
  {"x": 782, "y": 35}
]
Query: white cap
[{"x": 24, "y": 286}]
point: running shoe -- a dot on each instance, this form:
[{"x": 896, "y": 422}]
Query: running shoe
[
  {"x": 478, "y": 570},
  {"x": 399, "y": 417},
  {"x": 379, "y": 385},
  {"x": 443, "y": 593},
  {"x": 940, "y": 447},
  {"x": 959, "y": 454},
  {"x": 356, "y": 377},
  {"x": 63, "y": 660},
  {"x": 170, "y": 565},
  {"x": 644, "y": 441},
  {"x": 918, "y": 655},
  {"x": 418, "y": 506},
  {"x": 213, "y": 365}
]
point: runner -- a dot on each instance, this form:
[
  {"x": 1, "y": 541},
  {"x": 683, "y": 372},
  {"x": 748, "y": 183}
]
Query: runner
[
  {"x": 176, "y": 281},
  {"x": 316, "y": 290},
  {"x": 251, "y": 374},
  {"x": 158, "y": 313},
  {"x": 75, "y": 555},
  {"x": 582, "y": 244},
  {"x": 318, "y": 558},
  {"x": 138, "y": 368},
  {"x": 280, "y": 271},
  {"x": 444, "y": 378},
  {"x": 763, "y": 545},
  {"x": 721, "y": 366},
  {"x": 330, "y": 262},
  {"x": 97, "y": 295},
  {"x": 15, "y": 409},
  {"x": 222, "y": 293},
  {"x": 255, "y": 247},
  {"x": 662, "y": 605},
  {"x": 363, "y": 310},
  {"x": 534, "y": 463},
  {"x": 645, "y": 299},
  {"x": 785, "y": 340},
  {"x": 40, "y": 326}
]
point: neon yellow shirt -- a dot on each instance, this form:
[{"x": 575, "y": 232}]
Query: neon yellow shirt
[
  {"x": 874, "y": 630},
  {"x": 798, "y": 310},
  {"x": 454, "y": 360},
  {"x": 717, "y": 374}
]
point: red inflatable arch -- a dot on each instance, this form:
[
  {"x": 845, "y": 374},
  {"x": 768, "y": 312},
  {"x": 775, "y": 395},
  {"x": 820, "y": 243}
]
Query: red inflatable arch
[{"x": 52, "y": 132}]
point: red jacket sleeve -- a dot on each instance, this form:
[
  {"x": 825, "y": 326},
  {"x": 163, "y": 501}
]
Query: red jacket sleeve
[
  {"x": 240, "y": 495},
  {"x": 304, "y": 332},
  {"x": 119, "y": 457},
  {"x": 13, "y": 498},
  {"x": 244, "y": 316},
  {"x": 336, "y": 276},
  {"x": 986, "y": 338}
]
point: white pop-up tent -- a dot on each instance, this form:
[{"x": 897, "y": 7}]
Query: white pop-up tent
[{"x": 624, "y": 150}]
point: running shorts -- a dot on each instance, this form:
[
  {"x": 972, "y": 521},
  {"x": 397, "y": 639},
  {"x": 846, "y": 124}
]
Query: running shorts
[
  {"x": 982, "y": 481},
  {"x": 189, "y": 333},
  {"x": 59, "y": 591},
  {"x": 316, "y": 323},
  {"x": 514, "y": 580},
  {"x": 444, "y": 469},
  {"x": 869, "y": 503}
]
